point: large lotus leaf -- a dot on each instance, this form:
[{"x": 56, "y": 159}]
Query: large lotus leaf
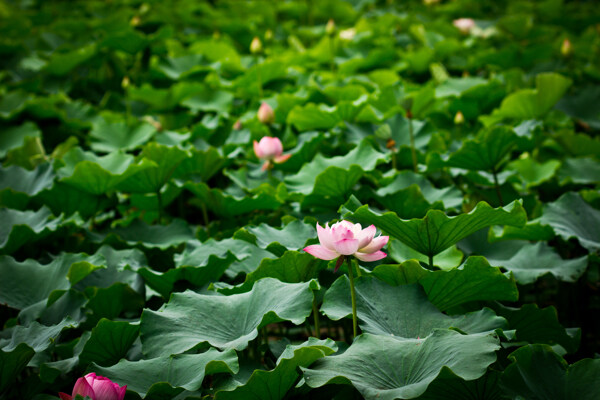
[
  {"x": 274, "y": 384},
  {"x": 128, "y": 40},
  {"x": 582, "y": 105},
  {"x": 14, "y": 137},
  {"x": 312, "y": 116},
  {"x": 585, "y": 170},
  {"x": 67, "y": 199},
  {"x": 533, "y": 230},
  {"x": 401, "y": 189},
  {"x": 149, "y": 236},
  {"x": 13, "y": 103},
  {"x": 113, "y": 136},
  {"x": 291, "y": 267},
  {"x": 387, "y": 368},
  {"x": 486, "y": 151},
  {"x": 37, "y": 336},
  {"x": 399, "y": 311},
  {"x": 533, "y": 173},
  {"x": 180, "y": 67},
  {"x": 227, "y": 206},
  {"x": 409, "y": 271},
  {"x": 97, "y": 175},
  {"x": 400, "y": 130},
  {"x": 535, "y": 325},
  {"x": 532, "y": 261},
  {"x": 20, "y": 227},
  {"x": 307, "y": 145},
  {"x": 436, "y": 231},
  {"x": 218, "y": 101},
  {"x": 62, "y": 63},
  {"x": 164, "y": 99},
  {"x": 167, "y": 376},
  {"x": 578, "y": 144},
  {"x": 227, "y": 322},
  {"x": 270, "y": 70},
  {"x": 51, "y": 370},
  {"x": 32, "y": 282},
  {"x": 570, "y": 216},
  {"x": 165, "y": 160},
  {"x": 450, "y": 258},
  {"x": 201, "y": 164},
  {"x": 448, "y": 386},
  {"x": 12, "y": 363},
  {"x": 457, "y": 86},
  {"x": 17, "y": 184},
  {"x": 111, "y": 302},
  {"x": 292, "y": 236},
  {"x": 534, "y": 103},
  {"x": 247, "y": 255},
  {"x": 537, "y": 372},
  {"x": 109, "y": 342},
  {"x": 312, "y": 177}
]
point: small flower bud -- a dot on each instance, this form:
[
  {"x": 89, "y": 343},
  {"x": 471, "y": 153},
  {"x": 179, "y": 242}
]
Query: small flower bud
[
  {"x": 566, "y": 49},
  {"x": 330, "y": 27},
  {"x": 265, "y": 114},
  {"x": 256, "y": 46},
  {"x": 135, "y": 21},
  {"x": 238, "y": 125},
  {"x": 125, "y": 82},
  {"x": 459, "y": 118}
]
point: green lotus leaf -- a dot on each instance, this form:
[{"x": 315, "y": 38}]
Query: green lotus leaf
[
  {"x": 21, "y": 227},
  {"x": 114, "y": 136},
  {"x": 109, "y": 342},
  {"x": 580, "y": 171},
  {"x": 226, "y": 322},
  {"x": 17, "y": 185},
  {"x": 379, "y": 313},
  {"x": 450, "y": 258},
  {"x": 386, "y": 368},
  {"x": 486, "y": 151},
  {"x": 63, "y": 63},
  {"x": 537, "y": 372},
  {"x": 37, "y": 336},
  {"x": 436, "y": 231},
  {"x": 149, "y": 236},
  {"x": 293, "y": 236},
  {"x": 201, "y": 164},
  {"x": 533, "y": 173},
  {"x": 570, "y": 216},
  {"x": 13, "y": 362},
  {"x": 14, "y": 137},
  {"x": 168, "y": 376}
]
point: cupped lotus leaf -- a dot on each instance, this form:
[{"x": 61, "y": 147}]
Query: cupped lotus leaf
[
  {"x": 164, "y": 160},
  {"x": 547, "y": 261},
  {"x": 387, "y": 368},
  {"x": 274, "y": 384},
  {"x": 17, "y": 184},
  {"x": 218, "y": 101},
  {"x": 292, "y": 236},
  {"x": 486, "y": 151},
  {"x": 537, "y": 372},
  {"x": 149, "y": 236},
  {"x": 436, "y": 231},
  {"x": 570, "y": 216},
  {"x": 447, "y": 259},
  {"x": 109, "y": 342},
  {"x": 181, "y": 67},
  {"x": 114, "y": 136},
  {"x": 201, "y": 164},
  {"x": 270, "y": 70},
  {"x": 448, "y": 386},
  {"x": 226, "y": 206},
  {"x": 37, "y": 336},
  {"x": 62, "y": 63},
  {"x": 98, "y": 175},
  {"x": 314, "y": 117},
  {"x": 67, "y": 199},
  {"x": 12, "y": 104},
  {"x": 362, "y": 158},
  {"x": 14, "y": 137},
  {"x": 400, "y": 311},
  {"x": 533, "y": 173},
  {"x": 169, "y": 375},
  {"x": 226, "y": 322},
  {"x": 533, "y": 230},
  {"x": 21, "y": 227},
  {"x": 539, "y": 325},
  {"x": 12, "y": 363},
  {"x": 585, "y": 171}
]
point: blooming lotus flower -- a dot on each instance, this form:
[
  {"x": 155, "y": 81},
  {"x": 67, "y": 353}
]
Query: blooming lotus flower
[
  {"x": 464, "y": 24},
  {"x": 97, "y": 388},
  {"x": 265, "y": 114},
  {"x": 344, "y": 239},
  {"x": 270, "y": 149}
]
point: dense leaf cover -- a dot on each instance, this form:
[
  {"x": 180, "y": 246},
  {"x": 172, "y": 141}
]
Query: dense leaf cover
[{"x": 142, "y": 239}]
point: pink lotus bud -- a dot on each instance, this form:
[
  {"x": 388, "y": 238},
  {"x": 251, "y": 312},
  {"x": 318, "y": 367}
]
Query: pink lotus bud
[
  {"x": 265, "y": 114},
  {"x": 464, "y": 24},
  {"x": 270, "y": 149},
  {"x": 330, "y": 27},
  {"x": 237, "y": 125},
  {"x": 97, "y": 388},
  {"x": 344, "y": 239},
  {"x": 566, "y": 49}
]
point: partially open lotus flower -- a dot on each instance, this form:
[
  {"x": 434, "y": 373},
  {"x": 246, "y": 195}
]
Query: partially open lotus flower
[
  {"x": 270, "y": 149},
  {"x": 265, "y": 114},
  {"x": 344, "y": 239},
  {"x": 464, "y": 24},
  {"x": 97, "y": 388}
]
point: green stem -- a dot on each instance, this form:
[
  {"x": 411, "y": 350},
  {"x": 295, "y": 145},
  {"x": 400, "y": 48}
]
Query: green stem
[
  {"x": 498, "y": 193},
  {"x": 316, "y": 317},
  {"x": 431, "y": 262},
  {"x": 412, "y": 145},
  {"x": 258, "y": 77},
  {"x": 394, "y": 166},
  {"x": 332, "y": 54},
  {"x": 160, "y": 206},
  {"x": 205, "y": 215},
  {"x": 353, "y": 296}
]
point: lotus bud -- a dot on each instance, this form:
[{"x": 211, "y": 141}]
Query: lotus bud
[
  {"x": 96, "y": 387},
  {"x": 135, "y": 20},
  {"x": 237, "y": 125},
  {"x": 125, "y": 82},
  {"x": 464, "y": 24},
  {"x": 270, "y": 149},
  {"x": 459, "y": 118},
  {"x": 256, "y": 46},
  {"x": 566, "y": 49},
  {"x": 265, "y": 114},
  {"x": 330, "y": 27}
]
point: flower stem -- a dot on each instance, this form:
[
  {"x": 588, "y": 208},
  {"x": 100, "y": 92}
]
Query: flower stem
[
  {"x": 412, "y": 145},
  {"x": 258, "y": 77},
  {"x": 431, "y": 262},
  {"x": 332, "y": 54},
  {"x": 316, "y": 317},
  {"x": 497, "y": 186},
  {"x": 353, "y": 296}
]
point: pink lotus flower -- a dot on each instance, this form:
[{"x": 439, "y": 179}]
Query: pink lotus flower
[
  {"x": 270, "y": 149},
  {"x": 97, "y": 388},
  {"x": 344, "y": 239},
  {"x": 265, "y": 114},
  {"x": 464, "y": 24}
]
